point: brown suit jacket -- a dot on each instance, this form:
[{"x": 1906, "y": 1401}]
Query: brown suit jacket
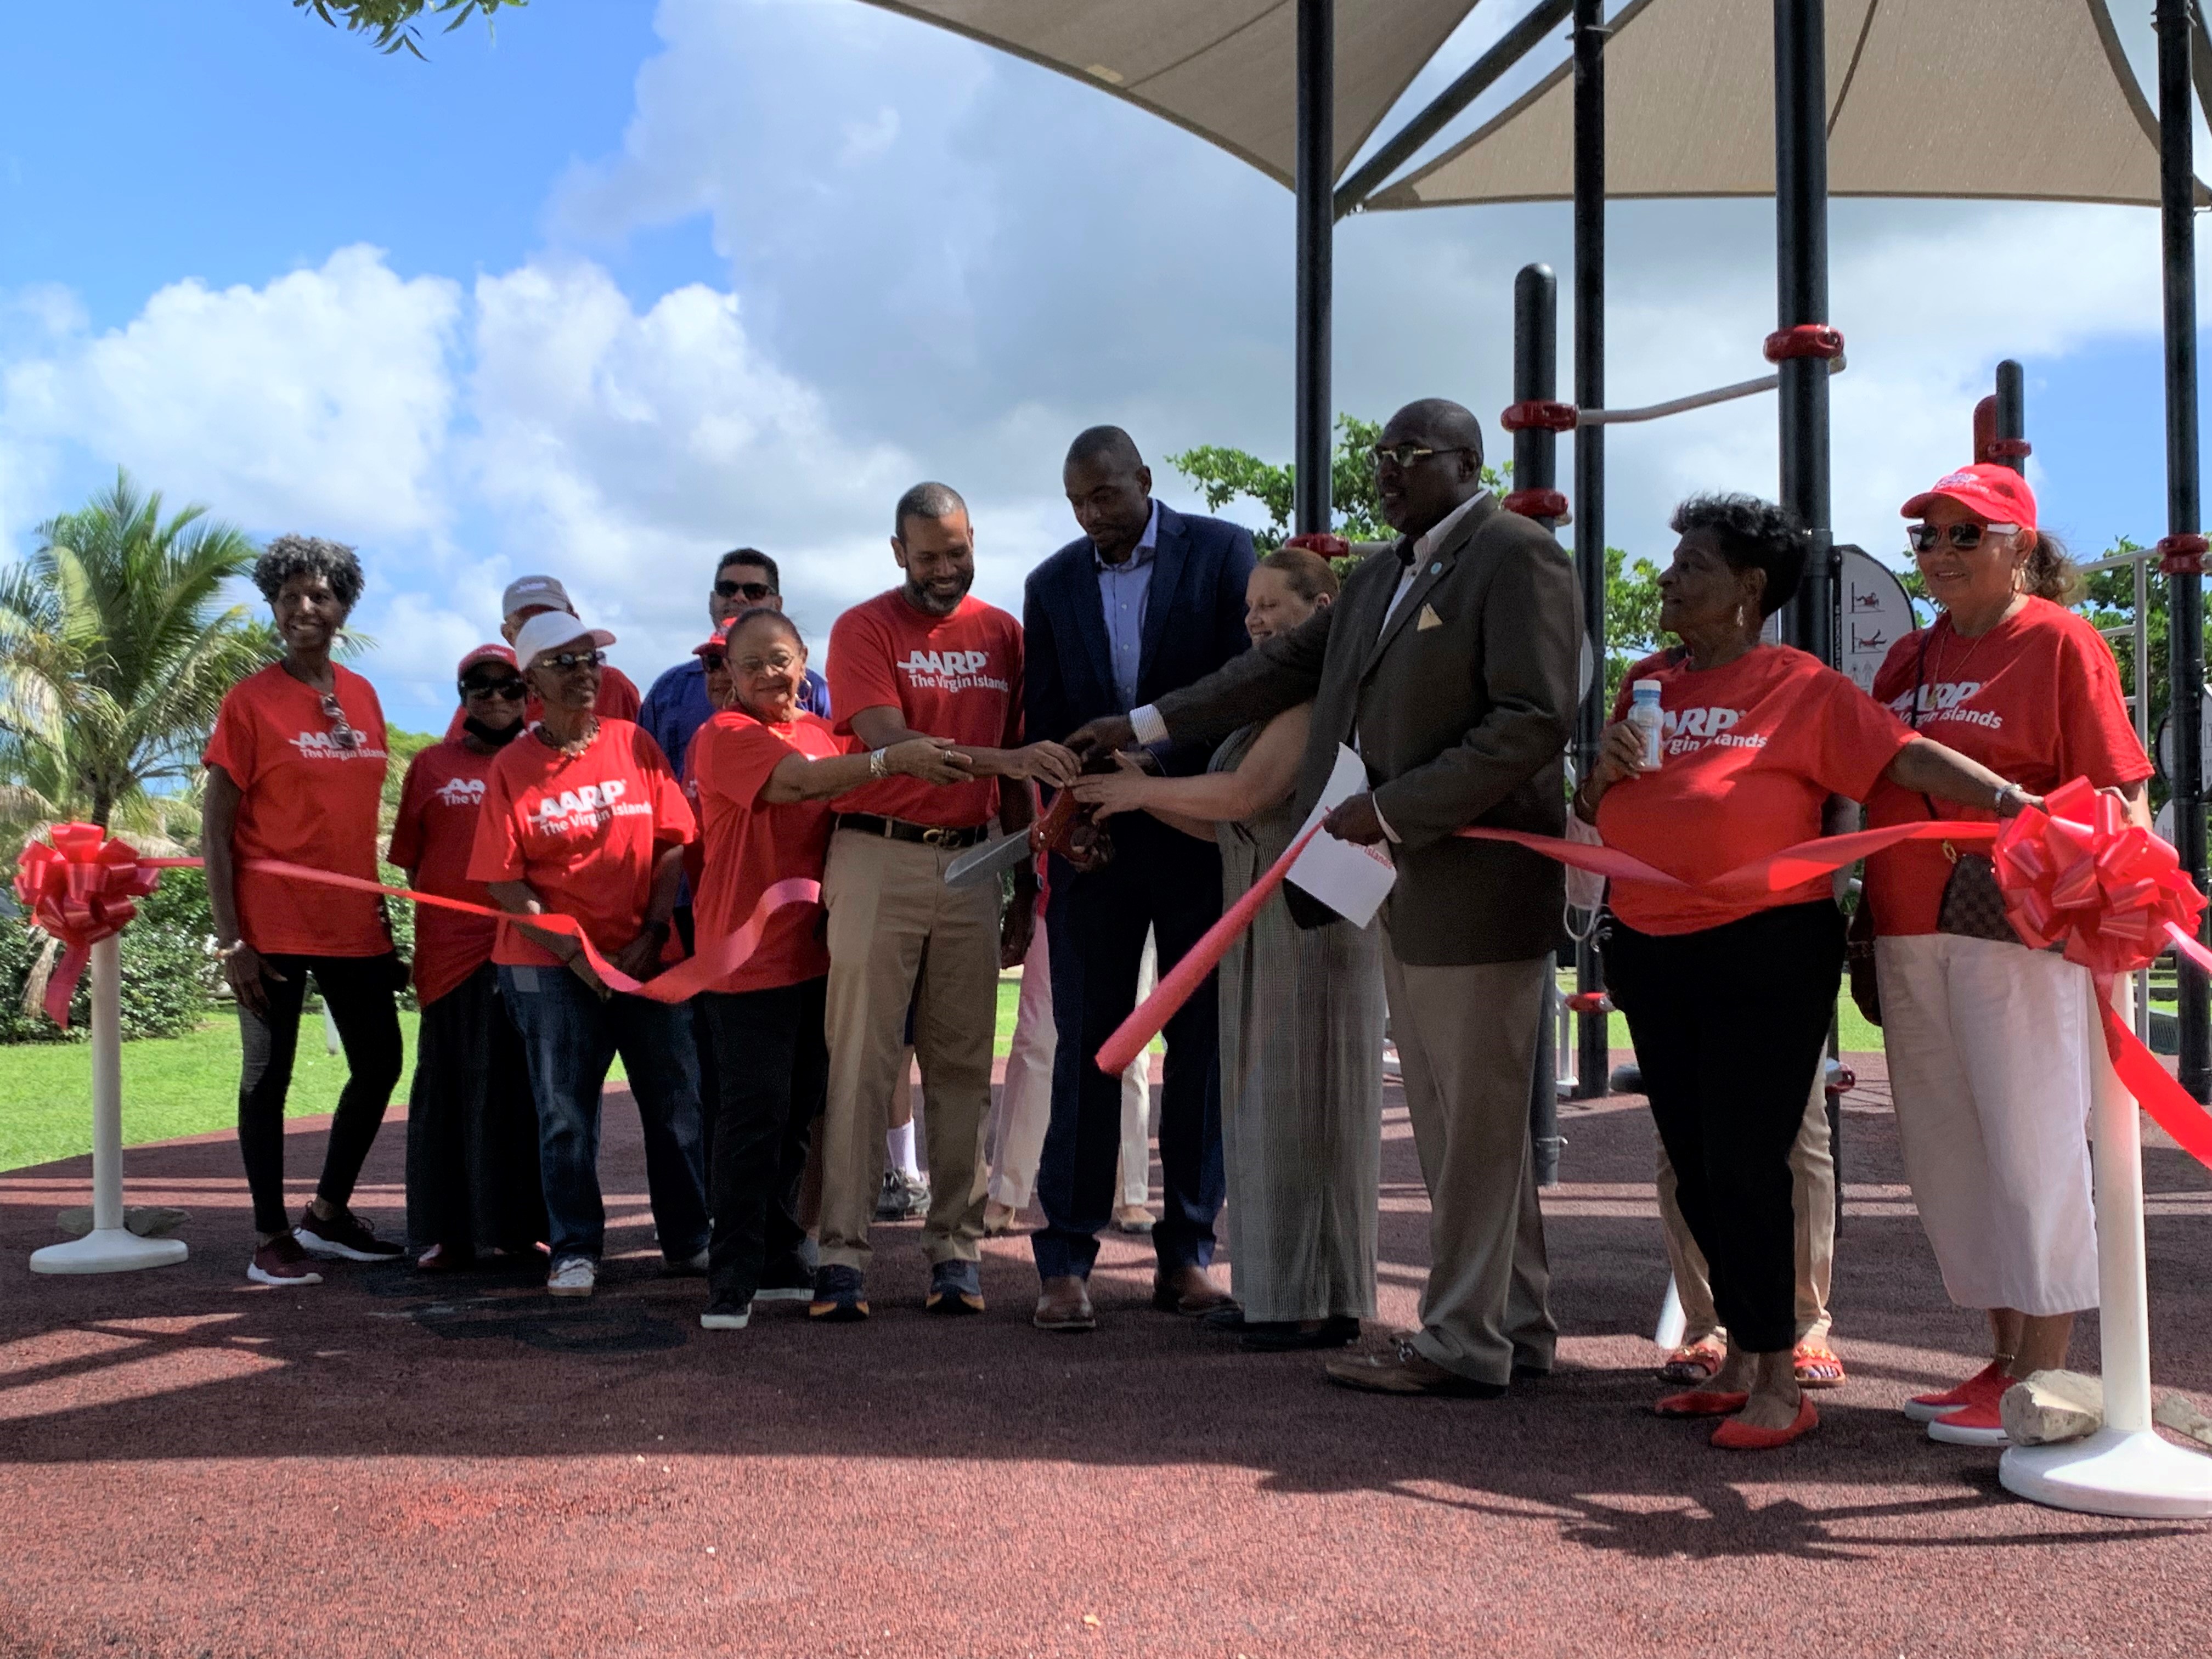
[{"x": 1463, "y": 721}]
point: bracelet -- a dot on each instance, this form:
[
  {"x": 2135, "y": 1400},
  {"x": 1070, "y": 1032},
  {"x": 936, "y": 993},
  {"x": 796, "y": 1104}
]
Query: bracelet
[{"x": 879, "y": 765}]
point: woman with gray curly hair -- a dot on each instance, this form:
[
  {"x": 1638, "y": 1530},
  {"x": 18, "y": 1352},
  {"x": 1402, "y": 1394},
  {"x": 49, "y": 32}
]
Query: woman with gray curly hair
[{"x": 295, "y": 773}]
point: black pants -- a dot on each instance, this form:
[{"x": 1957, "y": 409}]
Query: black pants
[
  {"x": 774, "y": 1078},
  {"x": 702, "y": 1043},
  {"x": 359, "y": 993},
  {"x": 1728, "y": 1024},
  {"x": 472, "y": 1126}
]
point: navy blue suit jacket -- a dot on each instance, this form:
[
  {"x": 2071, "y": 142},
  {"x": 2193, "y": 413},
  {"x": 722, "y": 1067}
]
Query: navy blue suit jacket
[{"x": 1193, "y": 623}]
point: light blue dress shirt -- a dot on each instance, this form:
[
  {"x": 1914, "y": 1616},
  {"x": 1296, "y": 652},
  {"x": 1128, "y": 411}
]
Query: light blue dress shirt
[{"x": 1123, "y": 590}]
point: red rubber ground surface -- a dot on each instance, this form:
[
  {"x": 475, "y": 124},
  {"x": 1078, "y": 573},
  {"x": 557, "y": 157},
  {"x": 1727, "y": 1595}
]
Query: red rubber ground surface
[{"x": 383, "y": 1466}]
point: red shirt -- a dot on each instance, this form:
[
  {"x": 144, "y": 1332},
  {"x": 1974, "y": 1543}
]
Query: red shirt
[
  {"x": 1751, "y": 752},
  {"x": 957, "y": 676},
  {"x": 432, "y": 839},
  {"x": 584, "y": 832},
  {"x": 617, "y": 701},
  {"x": 750, "y": 848},
  {"x": 306, "y": 801},
  {"x": 2037, "y": 699}
]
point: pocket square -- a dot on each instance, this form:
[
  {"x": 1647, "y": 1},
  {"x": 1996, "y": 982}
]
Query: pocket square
[{"x": 1428, "y": 619}]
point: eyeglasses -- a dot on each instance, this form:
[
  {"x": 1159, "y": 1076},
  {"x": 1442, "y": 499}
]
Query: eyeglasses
[
  {"x": 513, "y": 690},
  {"x": 342, "y": 731},
  {"x": 714, "y": 661},
  {"x": 750, "y": 593},
  {"x": 1409, "y": 454},
  {"x": 781, "y": 662},
  {"x": 569, "y": 661},
  {"x": 1927, "y": 537}
]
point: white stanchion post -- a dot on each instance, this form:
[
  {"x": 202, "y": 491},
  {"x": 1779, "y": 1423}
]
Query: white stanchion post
[
  {"x": 2125, "y": 1468},
  {"x": 109, "y": 1247},
  {"x": 1672, "y": 1321}
]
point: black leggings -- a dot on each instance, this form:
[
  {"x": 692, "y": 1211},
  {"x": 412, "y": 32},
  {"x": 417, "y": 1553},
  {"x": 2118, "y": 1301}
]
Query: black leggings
[
  {"x": 1729, "y": 1025},
  {"x": 774, "y": 1064},
  {"x": 359, "y": 993}
]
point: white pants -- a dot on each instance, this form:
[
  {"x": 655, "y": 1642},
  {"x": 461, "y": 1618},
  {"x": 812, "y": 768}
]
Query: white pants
[
  {"x": 1989, "y": 1066},
  {"x": 1025, "y": 1099}
]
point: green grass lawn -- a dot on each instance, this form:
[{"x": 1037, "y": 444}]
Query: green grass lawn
[{"x": 188, "y": 1085}]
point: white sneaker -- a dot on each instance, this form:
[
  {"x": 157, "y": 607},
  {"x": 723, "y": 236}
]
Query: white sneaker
[
  {"x": 722, "y": 1317},
  {"x": 572, "y": 1275}
]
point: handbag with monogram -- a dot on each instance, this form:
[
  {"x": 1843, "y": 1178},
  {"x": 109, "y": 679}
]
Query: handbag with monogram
[{"x": 1972, "y": 905}]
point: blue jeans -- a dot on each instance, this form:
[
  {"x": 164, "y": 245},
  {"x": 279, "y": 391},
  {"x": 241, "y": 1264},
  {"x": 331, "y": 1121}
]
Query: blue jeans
[{"x": 571, "y": 1037}]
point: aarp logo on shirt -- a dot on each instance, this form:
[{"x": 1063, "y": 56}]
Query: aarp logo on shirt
[
  {"x": 586, "y": 808},
  {"x": 325, "y": 745},
  {"x": 1687, "y": 730},
  {"x": 951, "y": 671},
  {"x": 461, "y": 792}
]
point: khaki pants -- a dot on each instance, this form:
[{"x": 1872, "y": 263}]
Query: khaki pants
[
  {"x": 898, "y": 933},
  {"x": 1466, "y": 1048},
  {"x": 1813, "y": 1191}
]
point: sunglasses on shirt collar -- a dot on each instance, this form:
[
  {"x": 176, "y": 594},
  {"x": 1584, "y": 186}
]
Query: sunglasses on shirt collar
[{"x": 342, "y": 731}]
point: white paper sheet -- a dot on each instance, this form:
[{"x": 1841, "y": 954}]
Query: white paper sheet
[{"x": 1351, "y": 879}]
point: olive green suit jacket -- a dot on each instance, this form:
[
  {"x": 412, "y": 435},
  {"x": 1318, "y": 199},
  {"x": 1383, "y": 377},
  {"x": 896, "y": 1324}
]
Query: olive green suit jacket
[{"x": 1463, "y": 704}]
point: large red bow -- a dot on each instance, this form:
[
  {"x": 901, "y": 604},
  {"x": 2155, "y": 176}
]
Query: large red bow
[
  {"x": 81, "y": 889},
  {"x": 2078, "y": 871}
]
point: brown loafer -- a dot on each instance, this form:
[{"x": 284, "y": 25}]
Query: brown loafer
[
  {"x": 1065, "y": 1306},
  {"x": 1406, "y": 1371},
  {"x": 1186, "y": 1290}
]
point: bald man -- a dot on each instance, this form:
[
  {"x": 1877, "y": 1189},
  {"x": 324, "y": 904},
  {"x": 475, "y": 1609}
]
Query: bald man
[{"x": 1448, "y": 662}]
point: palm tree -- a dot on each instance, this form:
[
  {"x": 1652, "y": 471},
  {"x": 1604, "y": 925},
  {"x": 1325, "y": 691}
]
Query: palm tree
[{"x": 116, "y": 649}]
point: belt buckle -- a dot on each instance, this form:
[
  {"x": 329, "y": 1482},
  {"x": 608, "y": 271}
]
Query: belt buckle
[{"x": 936, "y": 835}]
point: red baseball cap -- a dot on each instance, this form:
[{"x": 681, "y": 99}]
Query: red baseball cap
[
  {"x": 1993, "y": 493},
  {"x": 718, "y": 640},
  {"x": 498, "y": 653}
]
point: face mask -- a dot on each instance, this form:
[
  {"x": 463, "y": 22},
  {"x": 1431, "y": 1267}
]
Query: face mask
[{"x": 498, "y": 737}]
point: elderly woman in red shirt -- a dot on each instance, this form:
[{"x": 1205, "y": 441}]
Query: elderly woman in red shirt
[
  {"x": 1988, "y": 1041},
  {"x": 471, "y": 1128},
  {"x": 1728, "y": 998},
  {"x": 295, "y": 773},
  {"x": 582, "y": 818},
  {"x": 765, "y": 773}
]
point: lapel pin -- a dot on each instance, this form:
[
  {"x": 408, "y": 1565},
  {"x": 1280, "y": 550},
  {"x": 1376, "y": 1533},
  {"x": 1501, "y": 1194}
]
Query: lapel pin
[{"x": 1436, "y": 568}]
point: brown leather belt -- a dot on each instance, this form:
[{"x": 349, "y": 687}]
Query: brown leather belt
[{"x": 926, "y": 835}]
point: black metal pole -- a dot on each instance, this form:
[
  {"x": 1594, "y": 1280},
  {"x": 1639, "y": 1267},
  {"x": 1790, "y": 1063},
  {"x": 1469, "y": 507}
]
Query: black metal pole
[
  {"x": 1801, "y": 227},
  {"x": 1535, "y": 375},
  {"x": 1593, "y": 1057},
  {"x": 2184, "y": 589},
  {"x": 1316, "y": 225},
  {"x": 2011, "y": 415}
]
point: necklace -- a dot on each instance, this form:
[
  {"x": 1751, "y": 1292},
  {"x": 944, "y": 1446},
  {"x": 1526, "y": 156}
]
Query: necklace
[
  {"x": 1970, "y": 649},
  {"x": 568, "y": 751}
]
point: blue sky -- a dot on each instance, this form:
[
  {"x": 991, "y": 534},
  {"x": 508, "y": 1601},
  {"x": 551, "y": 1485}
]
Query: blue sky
[{"x": 631, "y": 282}]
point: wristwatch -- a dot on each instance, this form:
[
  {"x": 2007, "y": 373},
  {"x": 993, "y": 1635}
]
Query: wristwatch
[
  {"x": 2008, "y": 792},
  {"x": 879, "y": 765}
]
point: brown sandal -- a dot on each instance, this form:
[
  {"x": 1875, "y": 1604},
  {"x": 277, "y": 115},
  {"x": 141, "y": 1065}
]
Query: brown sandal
[
  {"x": 1695, "y": 1363},
  {"x": 1816, "y": 1366}
]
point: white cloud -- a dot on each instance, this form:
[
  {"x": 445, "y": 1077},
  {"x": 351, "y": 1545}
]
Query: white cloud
[{"x": 318, "y": 402}]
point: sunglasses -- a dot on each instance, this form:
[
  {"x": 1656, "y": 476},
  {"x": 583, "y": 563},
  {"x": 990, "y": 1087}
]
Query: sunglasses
[
  {"x": 1927, "y": 537},
  {"x": 569, "y": 661},
  {"x": 1408, "y": 454},
  {"x": 750, "y": 593},
  {"x": 342, "y": 731},
  {"x": 714, "y": 661},
  {"x": 513, "y": 690}
]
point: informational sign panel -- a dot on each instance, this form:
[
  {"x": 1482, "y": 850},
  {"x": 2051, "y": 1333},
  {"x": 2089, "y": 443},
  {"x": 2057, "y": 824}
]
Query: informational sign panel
[{"x": 1875, "y": 614}]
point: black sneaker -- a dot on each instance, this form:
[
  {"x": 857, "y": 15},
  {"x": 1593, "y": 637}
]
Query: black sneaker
[
  {"x": 839, "y": 1295},
  {"x": 342, "y": 1237},
  {"x": 281, "y": 1261},
  {"x": 724, "y": 1316},
  {"x": 789, "y": 1281},
  {"x": 955, "y": 1287}
]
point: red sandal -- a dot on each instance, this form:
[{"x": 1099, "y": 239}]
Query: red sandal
[
  {"x": 1816, "y": 1365},
  {"x": 1695, "y": 1362}
]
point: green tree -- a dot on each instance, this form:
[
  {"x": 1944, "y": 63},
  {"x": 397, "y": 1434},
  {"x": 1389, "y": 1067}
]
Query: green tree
[
  {"x": 1631, "y": 617},
  {"x": 390, "y": 25},
  {"x": 1223, "y": 474},
  {"x": 116, "y": 648}
]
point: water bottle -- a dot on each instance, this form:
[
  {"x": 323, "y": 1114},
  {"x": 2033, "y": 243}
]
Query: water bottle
[{"x": 1644, "y": 714}]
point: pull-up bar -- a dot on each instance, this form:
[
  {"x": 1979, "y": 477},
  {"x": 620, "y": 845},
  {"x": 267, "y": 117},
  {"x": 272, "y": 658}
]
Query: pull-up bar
[{"x": 1565, "y": 417}]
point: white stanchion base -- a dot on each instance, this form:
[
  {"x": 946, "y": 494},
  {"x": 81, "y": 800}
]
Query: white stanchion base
[
  {"x": 2113, "y": 1472},
  {"x": 109, "y": 1250},
  {"x": 1673, "y": 1322}
]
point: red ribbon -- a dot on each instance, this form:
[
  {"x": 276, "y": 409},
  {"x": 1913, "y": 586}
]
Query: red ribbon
[
  {"x": 82, "y": 888},
  {"x": 2076, "y": 873}
]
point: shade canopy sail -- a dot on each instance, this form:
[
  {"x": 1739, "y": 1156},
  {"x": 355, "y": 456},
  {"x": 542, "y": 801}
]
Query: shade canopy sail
[
  {"x": 2011, "y": 100},
  {"x": 1225, "y": 70}
]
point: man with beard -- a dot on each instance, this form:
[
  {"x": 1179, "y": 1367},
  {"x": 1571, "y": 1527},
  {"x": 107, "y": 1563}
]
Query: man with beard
[
  {"x": 1449, "y": 663},
  {"x": 926, "y": 659}
]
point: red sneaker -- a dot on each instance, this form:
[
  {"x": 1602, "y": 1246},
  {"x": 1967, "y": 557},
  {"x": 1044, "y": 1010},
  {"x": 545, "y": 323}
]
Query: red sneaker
[
  {"x": 1927, "y": 1407},
  {"x": 281, "y": 1261},
  {"x": 1977, "y": 1425}
]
